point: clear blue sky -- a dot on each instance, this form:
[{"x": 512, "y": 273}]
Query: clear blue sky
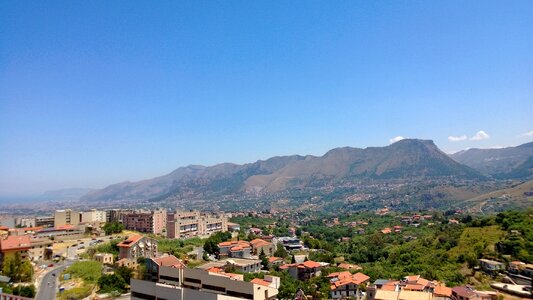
[{"x": 98, "y": 92}]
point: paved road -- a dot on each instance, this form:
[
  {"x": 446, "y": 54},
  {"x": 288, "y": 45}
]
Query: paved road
[{"x": 48, "y": 287}]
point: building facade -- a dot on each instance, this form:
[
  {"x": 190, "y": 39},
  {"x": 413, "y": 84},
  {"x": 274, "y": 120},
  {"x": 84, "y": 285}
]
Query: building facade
[
  {"x": 93, "y": 216},
  {"x": 66, "y": 217},
  {"x": 148, "y": 222},
  {"x": 137, "y": 246},
  {"x": 194, "y": 223},
  {"x": 180, "y": 284}
]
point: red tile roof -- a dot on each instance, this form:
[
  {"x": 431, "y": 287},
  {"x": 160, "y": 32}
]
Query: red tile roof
[
  {"x": 345, "y": 279},
  {"x": 13, "y": 242},
  {"x": 259, "y": 243},
  {"x": 132, "y": 240},
  {"x": 311, "y": 264},
  {"x": 260, "y": 282},
  {"x": 441, "y": 290},
  {"x": 306, "y": 264},
  {"x": 414, "y": 287},
  {"x": 273, "y": 259},
  {"x": 169, "y": 261}
]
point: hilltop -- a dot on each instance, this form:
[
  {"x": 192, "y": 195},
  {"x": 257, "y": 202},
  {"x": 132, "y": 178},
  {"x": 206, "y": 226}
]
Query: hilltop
[{"x": 409, "y": 159}]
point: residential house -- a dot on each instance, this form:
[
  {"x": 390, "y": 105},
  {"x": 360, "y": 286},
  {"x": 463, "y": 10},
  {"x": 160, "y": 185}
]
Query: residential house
[
  {"x": 346, "y": 285},
  {"x": 235, "y": 249},
  {"x": 275, "y": 261},
  {"x": 154, "y": 264},
  {"x": 239, "y": 264},
  {"x": 12, "y": 245},
  {"x": 491, "y": 267},
  {"x": 468, "y": 293},
  {"x": 259, "y": 245},
  {"x": 104, "y": 258},
  {"x": 137, "y": 246},
  {"x": 303, "y": 271},
  {"x": 40, "y": 249}
]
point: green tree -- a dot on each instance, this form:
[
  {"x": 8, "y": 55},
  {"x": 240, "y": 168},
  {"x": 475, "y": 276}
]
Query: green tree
[
  {"x": 125, "y": 272},
  {"x": 264, "y": 259},
  {"x": 280, "y": 251},
  {"x": 111, "y": 282},
  {"x": 113, "y": 227}
]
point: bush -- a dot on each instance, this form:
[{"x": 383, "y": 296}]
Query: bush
[{"x": 112, "y": 282}]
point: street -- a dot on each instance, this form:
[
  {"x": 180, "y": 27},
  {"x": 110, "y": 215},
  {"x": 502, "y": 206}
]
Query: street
[{"x": 48, "y": 287}]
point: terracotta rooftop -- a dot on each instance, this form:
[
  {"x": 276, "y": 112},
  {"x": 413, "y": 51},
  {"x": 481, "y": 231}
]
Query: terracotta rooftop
[
  {"x": 259, "y": 243},
  {"x": 29, "y": 229},
  {"x": 169, "y": 261},
  {"x": 132, "y": 240},
  {"x": 306, "y": 264},
  {"x": 414, "y": 287},
  {"x": 260, "y": 282},
  {"x": 345, "y": 279},
  {"x": 242, "y": 244},
  {"x": 273, "y": 259},
  {"x": 441, "y": 290},
  {"x": 386, "y": 230},
  {"x": 14, "y": 242}
]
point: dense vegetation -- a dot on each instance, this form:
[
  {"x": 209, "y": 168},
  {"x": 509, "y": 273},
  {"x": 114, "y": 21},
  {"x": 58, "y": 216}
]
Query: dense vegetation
[
  {"x": 113, "y": 227},
  {"x": 17, "y": 270}
]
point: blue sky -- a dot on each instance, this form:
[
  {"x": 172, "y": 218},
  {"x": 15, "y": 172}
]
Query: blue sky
[{"x": 99, "y": 92}]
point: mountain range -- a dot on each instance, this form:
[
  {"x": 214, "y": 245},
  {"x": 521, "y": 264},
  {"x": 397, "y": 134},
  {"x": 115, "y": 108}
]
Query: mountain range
[
  {"x": 503, "y": 163},
  {"x": 408, "y": 159}
]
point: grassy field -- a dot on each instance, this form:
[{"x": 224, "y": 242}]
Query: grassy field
[
  {"x": 477, "y": 239},
  {"x": 85, "y": 275}
]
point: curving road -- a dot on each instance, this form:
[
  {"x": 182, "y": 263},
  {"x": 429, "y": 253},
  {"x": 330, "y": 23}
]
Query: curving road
[{"x": 48, "y": 287}]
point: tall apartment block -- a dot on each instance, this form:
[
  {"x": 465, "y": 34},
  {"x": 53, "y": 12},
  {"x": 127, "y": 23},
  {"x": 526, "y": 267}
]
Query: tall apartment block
[
  {"x": 93, "y": 216},
  {"x": 194, "y": 223},
  {"x": 149, "y": 221},
  {"x": 66, "y": 217}
]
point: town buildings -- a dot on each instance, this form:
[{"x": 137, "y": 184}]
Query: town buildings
[
  {"x": 261, "y": 246},
  {"x": 148, "y": 221},
  {"x": 347, "y": 285},
  {"x": 235, "y": 249},
  {"x": 242, "y": 265},
  {"x": 194, "y": 223},
  {"x": 14, "y": 244},
  {"x": 410, "y": 287},
  {"x": 93, "y": 216},
  {"x": 104, "y": 258},
  {"x": 185, "y": 283},
  {"x": 491, "y": 267},
  {"x": 66, "y": 217},
  {"x": 468, "y": 293},
  {"x": 137, "y": 246},
  {"x": 305, "y": 270}
]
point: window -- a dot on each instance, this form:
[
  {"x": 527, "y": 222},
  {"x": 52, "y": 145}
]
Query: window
[
  {"x": 214, "y": 288},
  {"x": 193, "y": 280},
  {"x": 142, "y": 296}
]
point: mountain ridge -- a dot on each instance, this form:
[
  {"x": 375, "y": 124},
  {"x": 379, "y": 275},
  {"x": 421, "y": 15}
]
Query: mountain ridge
[
  {"x": 507, "y": 162},
  {"x": 406, "y": 159}
]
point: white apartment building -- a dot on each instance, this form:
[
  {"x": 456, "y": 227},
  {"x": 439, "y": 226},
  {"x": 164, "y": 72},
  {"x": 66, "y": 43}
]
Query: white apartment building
[
  {"x": 194, "y": 223},
  {"x": 93, "y": 216},
  {"x": 66, "y": 217}
]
